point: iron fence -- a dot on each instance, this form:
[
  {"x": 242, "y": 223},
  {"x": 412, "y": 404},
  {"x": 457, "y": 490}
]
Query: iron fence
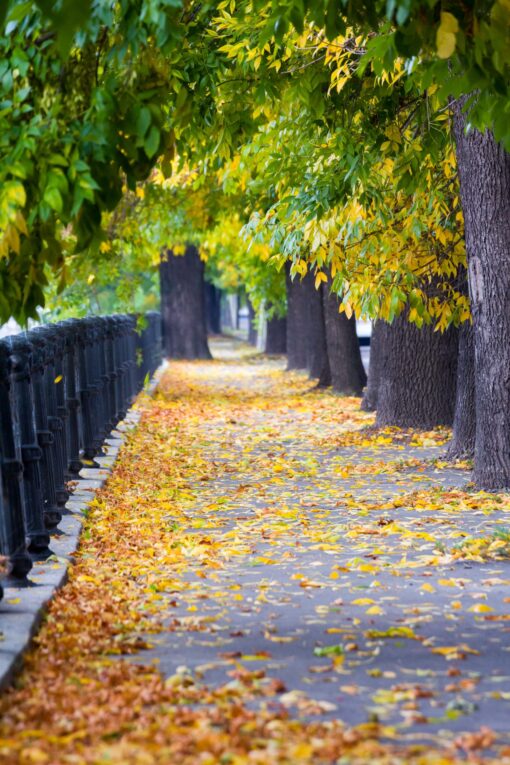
[{"x": 63, "y": 389}]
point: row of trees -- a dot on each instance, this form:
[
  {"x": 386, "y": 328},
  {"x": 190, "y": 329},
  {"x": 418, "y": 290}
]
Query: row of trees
[{"x": 359, "y": 151}]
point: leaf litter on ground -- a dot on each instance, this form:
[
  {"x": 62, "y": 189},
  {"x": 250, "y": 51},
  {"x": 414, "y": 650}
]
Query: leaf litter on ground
[{"x": 266, "y": 578}]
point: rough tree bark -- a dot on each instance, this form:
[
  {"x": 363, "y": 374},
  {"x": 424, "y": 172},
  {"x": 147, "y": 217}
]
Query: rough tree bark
[
  {"x": 316, "y": 351},
  {"x": 347, "y": 374},
  {"x": 484, "y": 173},
  {"x": 276, "y": 335},
  {"x": 182, "y": 305},
  {"x": 462, "y": 445},
  {"x": 252, "y": 329},
  {"x": 418, "y": 376},
  {"x": 212, "y": 308},
  {"x": 296, "y": 322},
  {"x": 369, "y": 402}
]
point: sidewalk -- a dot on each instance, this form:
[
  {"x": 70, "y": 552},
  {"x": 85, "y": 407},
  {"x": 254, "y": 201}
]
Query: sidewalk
[{"x": 263, "y": 582}]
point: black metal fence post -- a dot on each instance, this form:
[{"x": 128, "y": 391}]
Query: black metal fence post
[
  {"x": 111, "y": 373},
  {"x": 59, "y": 344},
  {"x": 132, "y": 358},
  {"x": 117, "y": 373},
  {"x": 95, "y": 378},
  {"x": 51, "y": 339},
  {"x": 155, "y": 349},
  {"x": 141, "y": 357},
  {"x": 104, "y": 377},
  {"x": 52, "y": 514},
  {"x": 13, "y": 532},
  {"x": 96, "y": 383},
  {"x": 102, "y": 331},
  {"x": 123, "y": 366},
  {"x": 85, "y": 389},
  {"x": 92, "y": 387},
  {"x": 63, "y": 389},
  {"x": 72, "y": 401},
  {"x": 31, "y": 452}
]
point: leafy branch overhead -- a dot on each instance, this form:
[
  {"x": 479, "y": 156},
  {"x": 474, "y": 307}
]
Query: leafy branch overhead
[{"x": 325, "y": 125}]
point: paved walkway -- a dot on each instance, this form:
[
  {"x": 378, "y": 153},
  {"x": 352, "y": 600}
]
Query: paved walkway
[{"x": 309, "y": 590}]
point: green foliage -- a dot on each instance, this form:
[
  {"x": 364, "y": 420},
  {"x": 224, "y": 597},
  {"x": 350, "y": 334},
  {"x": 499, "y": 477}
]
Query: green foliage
[
  {"x": 234, "y": 263},
  {"x": 322, "y": 126},
  {"x": 81, "y": 115},
  {"x": 118, "y": 283}
]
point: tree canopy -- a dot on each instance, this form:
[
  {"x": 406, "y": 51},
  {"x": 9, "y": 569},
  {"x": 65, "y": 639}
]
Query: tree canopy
[{"x": 321, "y": 129}]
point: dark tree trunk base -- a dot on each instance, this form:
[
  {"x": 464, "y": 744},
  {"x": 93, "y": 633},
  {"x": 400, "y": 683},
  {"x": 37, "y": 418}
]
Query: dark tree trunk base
[
  {"x": 317, "y": 362},
  {"x": 369, "y": 402},
  {"x": 484, "y": 174},
  {"x": 252, "y": 329},
  {"x": 462, "y": 445},
  {"x": 418, "y": 376},
  {"x": 182, "y": 306},
  {"x": 346, "y": 371},
  {"x": 296, "y": 322},
  {"x": 213, "y": 308},
  {"x": 325, "y": 377},
  {"x": 276, "y": 337}
]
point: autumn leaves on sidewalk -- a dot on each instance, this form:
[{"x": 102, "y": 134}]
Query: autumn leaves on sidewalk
[{"x": 265, "y": 579}]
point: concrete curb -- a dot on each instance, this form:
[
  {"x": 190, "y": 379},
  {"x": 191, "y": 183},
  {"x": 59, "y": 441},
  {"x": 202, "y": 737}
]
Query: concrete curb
[{"x": 23, "y": 607}]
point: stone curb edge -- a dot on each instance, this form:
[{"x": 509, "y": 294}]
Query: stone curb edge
[{"x": 23, "y": 607}]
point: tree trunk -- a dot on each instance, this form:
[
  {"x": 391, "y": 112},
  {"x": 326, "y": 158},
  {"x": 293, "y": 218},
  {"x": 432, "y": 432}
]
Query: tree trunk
[
  {"x": 296, "y": 322},
  {"x": 347, "y": 374},
  {"x": 462, "y": 445},
  {"x": 369, "y": 403},
  {"x": 213, "y": 308},
  {"x": 276, "y": 336},
  {"x": 418, "y": 376},
  {"x": 316, "y": 351},
  {"x": 252, "y": 327},
  {"x": 182, "y": 305},
  {"x": 484, "y": 173}
]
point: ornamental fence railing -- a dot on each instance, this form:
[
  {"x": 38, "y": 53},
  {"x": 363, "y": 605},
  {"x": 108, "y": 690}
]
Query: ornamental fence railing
[{"x": 63, "y": 389}]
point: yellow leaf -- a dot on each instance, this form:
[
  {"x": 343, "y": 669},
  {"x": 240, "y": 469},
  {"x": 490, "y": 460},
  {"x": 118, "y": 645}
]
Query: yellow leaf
[
  {"x": 480, "y": 608},
  {"x": 86, "y": 578},
  {"x": 320, "y": 277},
  {"x": 368, "y": 568},
  {"x": 35, "y": 755},
  {"x": 446, "y": 39},
  {"x": 302, "y": 751},
  {"x": 454, "y": 651},
  {"x": 346, "y": 308},
  {"x": 278, "y": 638},
  {"x": 391, "y": 632},
  {"x": 448, "y": 22},
  {"x": 428, "y": 587}
]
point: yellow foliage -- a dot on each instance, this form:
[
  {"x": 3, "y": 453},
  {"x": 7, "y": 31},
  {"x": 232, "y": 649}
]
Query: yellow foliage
[{"x": 446, "y": 39}]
